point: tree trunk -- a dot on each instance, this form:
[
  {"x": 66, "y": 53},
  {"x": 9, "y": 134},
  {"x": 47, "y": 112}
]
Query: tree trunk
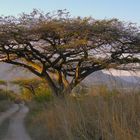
[
  {"x": 60, "y": 87},
  {"x": 51, "y": 84}
]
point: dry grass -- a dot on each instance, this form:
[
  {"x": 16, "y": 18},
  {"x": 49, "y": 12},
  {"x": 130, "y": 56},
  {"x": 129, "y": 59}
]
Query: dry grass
[{"x": 104, "y": 116}]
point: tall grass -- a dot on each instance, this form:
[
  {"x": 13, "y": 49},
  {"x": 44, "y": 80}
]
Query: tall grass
[{"x": 102, "y": 116}]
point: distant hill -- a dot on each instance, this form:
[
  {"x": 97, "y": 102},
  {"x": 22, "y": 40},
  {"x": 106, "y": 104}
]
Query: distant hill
[
  {"x": 100, "y": 78},
  {"x": 131, "y": 79},
  {"x": 9, "y": 72}
]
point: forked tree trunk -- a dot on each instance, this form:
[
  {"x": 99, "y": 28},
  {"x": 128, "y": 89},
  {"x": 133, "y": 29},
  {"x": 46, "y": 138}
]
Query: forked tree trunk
[
  {"x": 58, "y": 85},
  {"x": 58, "y": 90},
  {"x": 51, "y": 84}
]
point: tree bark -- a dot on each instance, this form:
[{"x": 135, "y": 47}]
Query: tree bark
[{"x": 51, "y": 84}]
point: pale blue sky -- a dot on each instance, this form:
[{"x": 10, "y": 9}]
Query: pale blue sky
[{"x": 127, "y": 10}]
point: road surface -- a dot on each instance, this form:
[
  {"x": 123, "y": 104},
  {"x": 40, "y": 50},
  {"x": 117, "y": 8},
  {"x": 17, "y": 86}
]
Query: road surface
[{"x": 16, "y": 128}]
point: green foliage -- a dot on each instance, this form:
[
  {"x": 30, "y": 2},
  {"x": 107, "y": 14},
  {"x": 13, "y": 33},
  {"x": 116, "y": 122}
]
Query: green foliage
[
  {"x": 26, "y": 95},
  {"x": 34, "y": 89},
  {"x": 43, "y": 94},
  {"x": 3, "y": 82},
  {"x": 30, "y": 84}
]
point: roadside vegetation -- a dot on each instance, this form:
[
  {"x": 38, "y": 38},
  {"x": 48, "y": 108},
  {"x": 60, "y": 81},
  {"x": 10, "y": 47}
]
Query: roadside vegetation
[
  {"x": 33, "y": 89},
  {"x": 6, "y": 99},
  {"x": 99, "y": 115}
]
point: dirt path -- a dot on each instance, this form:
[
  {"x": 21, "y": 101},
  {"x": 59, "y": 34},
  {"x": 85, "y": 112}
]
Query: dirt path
[{"x": 16, "y": 129}]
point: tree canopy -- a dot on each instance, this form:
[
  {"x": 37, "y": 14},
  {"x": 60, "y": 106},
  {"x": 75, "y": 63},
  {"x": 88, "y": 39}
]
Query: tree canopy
[{"x": 64, "y": 50}]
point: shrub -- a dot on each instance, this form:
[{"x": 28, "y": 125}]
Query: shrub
[{"x": 43, "y": 94}]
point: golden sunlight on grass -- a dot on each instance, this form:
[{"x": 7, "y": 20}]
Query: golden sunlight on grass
[{"x": 100, "y": 117}]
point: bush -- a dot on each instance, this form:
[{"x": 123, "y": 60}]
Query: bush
[
  {"x": 43, "y": 94},
  {"x": 26, "y": 95}
]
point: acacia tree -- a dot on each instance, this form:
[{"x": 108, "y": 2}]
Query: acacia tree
[{"x": 64, "y": 50}]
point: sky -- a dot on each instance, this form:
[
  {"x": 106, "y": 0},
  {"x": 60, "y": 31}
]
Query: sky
[{"x": 125, "y": 10}]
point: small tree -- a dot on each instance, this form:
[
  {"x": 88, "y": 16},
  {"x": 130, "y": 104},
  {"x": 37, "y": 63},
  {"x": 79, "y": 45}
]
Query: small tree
[
  {"x": 64, "y": 50},
  {"x": 29, "y": 84}
]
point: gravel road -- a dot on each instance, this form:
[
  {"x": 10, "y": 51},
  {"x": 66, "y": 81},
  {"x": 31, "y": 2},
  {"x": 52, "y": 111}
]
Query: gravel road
[{"x": 16, "y": 128}]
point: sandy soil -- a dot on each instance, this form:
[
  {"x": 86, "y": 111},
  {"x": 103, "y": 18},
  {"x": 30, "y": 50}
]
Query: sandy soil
[{"x": 16, "y": 128}]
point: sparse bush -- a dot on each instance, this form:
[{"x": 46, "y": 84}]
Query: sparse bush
[
  {"x": 33, "y": 89},
  {"x": 26, "y": 95},
  {"x": 43, "y": 94}
]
